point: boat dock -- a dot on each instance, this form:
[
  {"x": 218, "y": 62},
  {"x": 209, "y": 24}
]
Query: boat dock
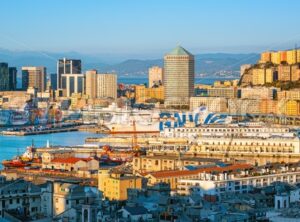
[{"x": 28, "y": 133}]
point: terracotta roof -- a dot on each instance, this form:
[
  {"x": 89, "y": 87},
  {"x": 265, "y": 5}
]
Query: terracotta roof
[
  {"x": 176, "y": 173},
  {"x": 69, "y": 160}
]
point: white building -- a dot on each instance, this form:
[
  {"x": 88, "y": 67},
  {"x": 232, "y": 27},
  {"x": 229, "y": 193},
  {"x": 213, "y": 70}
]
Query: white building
[
  {"x": 232, "y": 130},
  {"x": 214, "y": 185}
]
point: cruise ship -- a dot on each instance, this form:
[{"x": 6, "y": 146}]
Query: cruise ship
[{"x": 143, "y": 121}]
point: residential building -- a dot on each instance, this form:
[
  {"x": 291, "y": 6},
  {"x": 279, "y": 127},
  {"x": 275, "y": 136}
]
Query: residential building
[
  {"x": 265, "y": 57},
  {"x": 107, "y": 85},
  {"x": 72, "y": 83},
  {"x": 243, "y": 106},
  {"x": 154, "y": 163},
  {"x": 135, "y": 213},
  {"x": 212, "y": 185},
  {"x": 20, "y": 198},
  {"x": 34, "y": 76},
  {"x": 257, "y": 92},
  {"x": 70, "y": 200},
  {"x": 230, "y": 92},
  {"x": 179, "y": 74},
  {"x": 284, "y": 72},
  {"x": 114, "y": 185},
  {"x": 271, "y": 75},
  {"x": 213, "y": 104},
  {"x": 172, "y": 177},
  {"x": 91, "y": 84},
  {"x": 67, "y": 66},
  {"x": 155, "y": 76},
  {"x": 258, "y": 76},
  {"x": 143, "y": 94},
  {"x": 293, "y": 94}
]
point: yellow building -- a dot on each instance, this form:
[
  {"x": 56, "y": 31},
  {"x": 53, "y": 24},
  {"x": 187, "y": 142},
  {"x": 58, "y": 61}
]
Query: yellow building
[
  {"x": 114, "y": 185},
  {"x": 268, "y": 106},
  {"x": 291, "y": 94},
  {"x": 291, "y": 57},
  {"x": 142, "y": 94},
  {"x": 288, "y": 107},
  {"x": 258, "y": 76},
  {"x": 265, "y": 57},
  {"x": 295, "y": 72},
  {"x": 228, "y": 92},
  {"x": 270, "y": 75},
  {"x": 275, "y": 58},
  {"x": 284, "y": 73}
]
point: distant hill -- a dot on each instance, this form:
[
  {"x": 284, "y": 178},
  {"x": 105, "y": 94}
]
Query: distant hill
[{"x": 207, "y": 65}]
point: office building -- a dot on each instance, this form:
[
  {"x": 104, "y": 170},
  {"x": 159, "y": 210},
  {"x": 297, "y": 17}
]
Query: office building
[
  {"x": 34, "y": 76},
  {"x": 91, "y": 84},
  {"x": 67, "y": 66},
  {"x": 72, "y": 83},
  {"x": 155, "y": 76},
  {"x": 107, "y": 85},
  {"x": 12, "y": 78},
  {"x": 179, "y": 74},
  {"x": 4, "y": 77},
  {"x": 53, "y": 81}
]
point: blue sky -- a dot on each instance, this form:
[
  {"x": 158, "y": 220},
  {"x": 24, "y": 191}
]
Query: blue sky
[{"x": 149, "y": 27}]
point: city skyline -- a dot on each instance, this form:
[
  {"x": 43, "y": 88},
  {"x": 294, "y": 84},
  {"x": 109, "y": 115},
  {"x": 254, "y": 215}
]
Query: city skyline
[{"x": 134, "y": 29}]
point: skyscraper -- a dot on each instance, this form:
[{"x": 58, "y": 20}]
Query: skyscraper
[
  {"x": 67, "y": 66},
  {"x": 53, "y": 81},
  {"x": 155, "y": 76},
  {"x": 12, "y": 78},
  {"x": 179, "y": 75},
  {"x": 34, "y": 76},
  {"x": 4, "y": 77},
  {"x": 107, "y": 85}
]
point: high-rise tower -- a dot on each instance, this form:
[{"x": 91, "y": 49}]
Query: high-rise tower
[{"x": 179, "y": 75}]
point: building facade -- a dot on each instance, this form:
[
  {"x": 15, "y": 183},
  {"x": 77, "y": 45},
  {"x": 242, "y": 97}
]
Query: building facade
[
  {"x": 107, "y": 85},
  {"x": 67, "y": 66},
  {"x": 91, "y": 84},
  {"x": 35, "y": 77},
  {"x": 73, "y": 83},
  {"x": 179, "y": 72},
  {"x": 155, "y": 76}
]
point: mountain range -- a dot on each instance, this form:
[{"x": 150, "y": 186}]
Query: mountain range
[{"x": 206, "y": 65}]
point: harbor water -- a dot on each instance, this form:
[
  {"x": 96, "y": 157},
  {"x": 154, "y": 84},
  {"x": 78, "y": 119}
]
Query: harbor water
[{"x": 11, "y": 146}]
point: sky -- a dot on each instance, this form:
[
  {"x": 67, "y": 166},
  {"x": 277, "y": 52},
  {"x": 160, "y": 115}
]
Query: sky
[{"x": 149, "y": 27}]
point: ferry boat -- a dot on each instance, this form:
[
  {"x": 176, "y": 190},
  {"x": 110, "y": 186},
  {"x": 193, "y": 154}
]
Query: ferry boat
[{"x": 147, "y": 121}]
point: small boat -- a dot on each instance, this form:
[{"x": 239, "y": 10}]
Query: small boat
[{"x": 14, "y": 163}]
